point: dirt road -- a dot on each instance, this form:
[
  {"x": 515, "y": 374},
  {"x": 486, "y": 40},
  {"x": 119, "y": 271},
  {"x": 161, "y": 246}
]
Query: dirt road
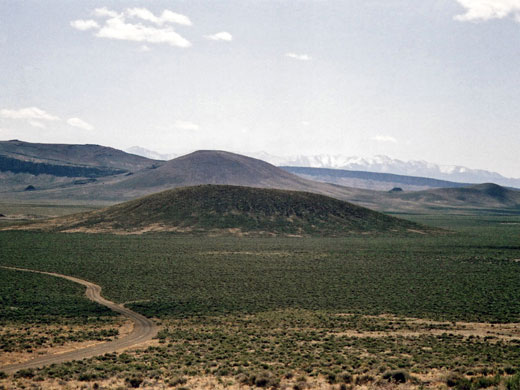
[{"x": 144, "y": 330}]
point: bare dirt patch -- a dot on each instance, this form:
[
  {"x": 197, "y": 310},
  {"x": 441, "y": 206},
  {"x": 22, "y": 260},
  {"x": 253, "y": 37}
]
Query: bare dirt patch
[{"x": 416, "y": 231}]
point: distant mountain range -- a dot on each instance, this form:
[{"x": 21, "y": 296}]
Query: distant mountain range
[
  {"x": 377, "y": 164},
  {"x": 94, "y": 174},
  {"x": 371, "y": 180},
  {"x": 151, "y": 154},
  {"x": 385, "y": 164}
]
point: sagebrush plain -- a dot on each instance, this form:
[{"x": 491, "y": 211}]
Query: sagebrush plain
[{"x": 378, "y": 310}]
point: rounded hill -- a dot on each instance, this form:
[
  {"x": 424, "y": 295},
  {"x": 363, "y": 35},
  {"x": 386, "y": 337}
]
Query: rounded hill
[
  {"x": 223, "y": 209},
  {"x": 214, "y": 167}
]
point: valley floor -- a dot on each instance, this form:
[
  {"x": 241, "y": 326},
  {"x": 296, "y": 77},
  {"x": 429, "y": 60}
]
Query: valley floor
[{"x": 356, "y": 312}]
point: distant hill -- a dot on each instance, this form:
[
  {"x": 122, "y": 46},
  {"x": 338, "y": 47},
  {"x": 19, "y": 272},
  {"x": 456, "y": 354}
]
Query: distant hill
[
  {"x": 47, "y": 166},
  {"x": 371, "y": 180},
  {"x": 75, "y": 155},
  {"x": 201, "y": 167},
  {"x": 222, "y": 209},
  {"x": 215, "y": 167},
  {"x": 481, "y": 195}
]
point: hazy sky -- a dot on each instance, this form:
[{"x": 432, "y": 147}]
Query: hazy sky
[{"x": 435, "y": 80}]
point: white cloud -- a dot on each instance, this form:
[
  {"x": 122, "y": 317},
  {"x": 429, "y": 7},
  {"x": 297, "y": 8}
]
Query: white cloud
[
  {"x": 185, "y": 125},
  {"x": 105, "y": 12},
  {"x": 40, "y": 125},
  {"x": 143, "y": 13},
  {"x": 144, "y": 48},
  {"x": 84, "y": 25},
  {"x": 167, "y": 16},
  {"x": 28, "y": 113},
  {"x": 306, "y": 123},
  {"x": 117, "y": 28},
  {"x": 221, "y": 36},
  {"x": 301, "y": 57},
  {"x": 384, "y": 138},
  {"x": 76, "y": 122},
  {"x": 489, "y": 9},
  {"x": 148, "y": 28}
]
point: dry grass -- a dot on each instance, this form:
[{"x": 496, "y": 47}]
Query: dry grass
[
  {"x": 414, "y": 327},
  {"x": 124, "y": 327},
  {"x": 434, "y": 380}
]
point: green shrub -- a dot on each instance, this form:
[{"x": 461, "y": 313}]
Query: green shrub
[
  {"x": 484, "y": 382},
  {"x": 398, "y": 376},
  {"x": 178, "y": 381},
  {"x": 346, "y": 377},
  {"x": 513, "y": 383},
  {"x": 458, "y": 382},
  {"x": 331, "y": 378},
  {"x": 28, "y": 373},
  {"x": 87, "y": 377},
  {"x": 266, "y": 379},
  {"x": 134, "y": 382},
  {"x": 364, "y": 379}
]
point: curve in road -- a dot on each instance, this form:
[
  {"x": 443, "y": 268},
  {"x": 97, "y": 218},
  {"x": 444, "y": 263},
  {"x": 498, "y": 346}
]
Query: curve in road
[{"x": 144, "y": 329}]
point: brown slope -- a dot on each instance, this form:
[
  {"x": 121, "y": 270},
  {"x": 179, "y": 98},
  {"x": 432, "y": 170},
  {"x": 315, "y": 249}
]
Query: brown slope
[
  {"x": 225, "y": 168},
  {"x": 201, "y": 167},
  {"x": 215, "y": 167},
  {"x": 71, "y": 154}
]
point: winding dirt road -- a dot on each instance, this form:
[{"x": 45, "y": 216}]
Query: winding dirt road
[{"x": 144, "y": 330}]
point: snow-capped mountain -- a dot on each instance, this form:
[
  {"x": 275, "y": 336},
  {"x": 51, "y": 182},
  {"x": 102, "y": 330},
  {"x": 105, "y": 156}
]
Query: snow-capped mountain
[
  {"x": 150, "y": 153},
  {"x": 379, "y": 163},
  {"x": 385, "y": 164}
]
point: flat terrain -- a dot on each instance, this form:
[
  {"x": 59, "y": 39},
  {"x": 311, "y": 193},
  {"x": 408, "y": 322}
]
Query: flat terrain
[{"x": 320, "y": 312}]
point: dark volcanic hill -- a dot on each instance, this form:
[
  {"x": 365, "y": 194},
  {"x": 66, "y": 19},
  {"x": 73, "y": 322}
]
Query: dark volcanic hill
[{"x": 233, "y": 210}]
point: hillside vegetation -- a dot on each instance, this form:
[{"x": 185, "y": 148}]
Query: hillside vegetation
[{"x": 233, "y": 209}]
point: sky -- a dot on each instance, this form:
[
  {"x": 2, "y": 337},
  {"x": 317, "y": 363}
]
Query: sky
[{"x": 433, "y": 80}]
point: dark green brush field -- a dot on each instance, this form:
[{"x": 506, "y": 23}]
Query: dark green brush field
[
  {"x": 467, "y": 275},
  {"x": 287, "y": 309}
]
